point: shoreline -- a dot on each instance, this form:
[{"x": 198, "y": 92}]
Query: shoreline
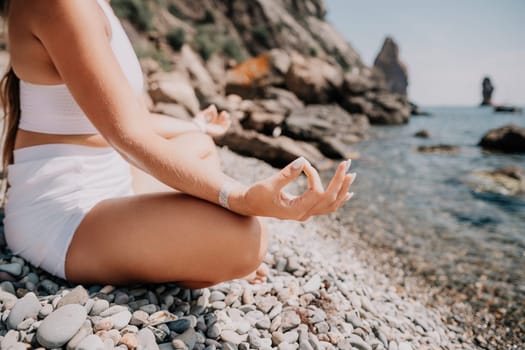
[{"x": 319, "y": 295}]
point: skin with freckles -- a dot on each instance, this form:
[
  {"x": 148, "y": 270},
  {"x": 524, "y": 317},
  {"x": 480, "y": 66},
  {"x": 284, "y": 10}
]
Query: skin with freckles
[{"x": 173, "y": 229}]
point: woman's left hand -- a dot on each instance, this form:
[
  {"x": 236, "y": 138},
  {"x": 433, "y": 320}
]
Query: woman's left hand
[{"x": 212, "y": 122}]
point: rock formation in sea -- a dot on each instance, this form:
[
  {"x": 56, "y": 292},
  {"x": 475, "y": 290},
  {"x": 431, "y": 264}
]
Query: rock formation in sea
[
  {"x": 486, "y": 92},
  {"x": 265, "y": 62},
  {"x": 390, "y": 65}
]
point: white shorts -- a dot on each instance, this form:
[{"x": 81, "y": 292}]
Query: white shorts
[{"x": 52, "y": 188}]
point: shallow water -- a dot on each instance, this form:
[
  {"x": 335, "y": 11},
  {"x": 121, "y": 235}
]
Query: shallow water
[{"x": 417, "y": 204}]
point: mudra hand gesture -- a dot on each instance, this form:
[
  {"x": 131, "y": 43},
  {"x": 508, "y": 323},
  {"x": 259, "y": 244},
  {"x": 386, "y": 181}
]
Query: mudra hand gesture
[
  {"x": 267, "y": 197},
  {"x": 213, "y": 123}
]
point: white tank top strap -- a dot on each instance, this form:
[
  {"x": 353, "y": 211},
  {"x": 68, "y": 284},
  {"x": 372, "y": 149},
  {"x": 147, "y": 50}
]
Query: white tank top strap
[{"x": 52, "y": 109}]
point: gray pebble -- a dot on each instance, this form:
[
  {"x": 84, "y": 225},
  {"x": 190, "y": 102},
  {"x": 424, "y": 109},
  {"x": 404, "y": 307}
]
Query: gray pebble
[
  {"x": 231, "y": 337},
  {"x": 113, "y": 310},
  {"x": 8, "y": 287},
  {"x": 121, "y": 298},
  {"x": 61, "y": 325},
  {"x": 180, "y": 325},
  {"x": 229, "y": 346},
  {"x": 178, "y": 344},
  {"x": 9, "y": 339},
  {"x": 404, "y": 346},
  {"x": 263, "y": 323},
  {"x": 139, "y": 318},
  {"x": 146, "y": 340},
  {"x": 313, "y": 284},
  {"x": 287, "y": 346},
  {"x": 290, "y": 337},
  {"x": 289, "y": 320},
  {"x": 149, "y": 308},
  {"x": 188, "y": 337},
  {"x": 77, "y": 296},
  {"x": 24, "y": 325},
  {"x": 83, "y": 332},
  {"x": 359, "y": 343},
  {"x": 91, "y": 342},
  {"x": 49, "y": 286},
  {"x": 27, "y": 307},
  {"x": 121, "y": 319},
  {"x": 276, "y": 310},
  {"x": 217, "y": 296},
  {"x": 322, "y": 327},
  {"x": 265, "y": 303},
  {"x": 214, "y": 331},
  {"x": 99, "y": 306},
  {"x": 318, "y": 315},
  {"x": 14, "y": 269}
]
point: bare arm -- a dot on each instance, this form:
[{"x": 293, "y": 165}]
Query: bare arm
[{"x": 74, "y": 37}]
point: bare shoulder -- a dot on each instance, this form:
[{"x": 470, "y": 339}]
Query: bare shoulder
[{"x": 64, "y": 15}]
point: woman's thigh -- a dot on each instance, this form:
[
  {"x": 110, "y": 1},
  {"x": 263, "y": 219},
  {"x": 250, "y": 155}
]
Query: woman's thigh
[{"x": 164, "y": 237}]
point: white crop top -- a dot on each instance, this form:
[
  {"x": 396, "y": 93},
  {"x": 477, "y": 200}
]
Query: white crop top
[{"x": 52, "y": 109}]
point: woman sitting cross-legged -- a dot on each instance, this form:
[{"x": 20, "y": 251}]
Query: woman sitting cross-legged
[{"x": 81, "y": 149}]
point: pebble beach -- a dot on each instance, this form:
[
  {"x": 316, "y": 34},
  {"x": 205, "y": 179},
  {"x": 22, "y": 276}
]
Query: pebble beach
[{"x": 318, "y": 296}]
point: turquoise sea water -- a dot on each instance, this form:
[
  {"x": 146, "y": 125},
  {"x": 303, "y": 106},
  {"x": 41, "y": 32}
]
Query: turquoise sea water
[{"x": 418, "y": 205}]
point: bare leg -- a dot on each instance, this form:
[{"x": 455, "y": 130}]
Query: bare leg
[
  {"x": 204, "y": 148},
  {"x": 166, "y": 236}
]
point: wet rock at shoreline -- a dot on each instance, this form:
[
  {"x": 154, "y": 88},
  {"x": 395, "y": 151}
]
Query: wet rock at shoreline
[
  {"x": 504, "y": 181},
  {"x": 508, "y": 139},
  {"x": 424, "y": 134},
  {"x": 439, "y": 149}
]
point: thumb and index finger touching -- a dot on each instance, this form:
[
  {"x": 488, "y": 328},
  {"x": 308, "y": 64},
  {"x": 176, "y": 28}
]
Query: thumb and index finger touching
[{"x": 293, "y": 170}]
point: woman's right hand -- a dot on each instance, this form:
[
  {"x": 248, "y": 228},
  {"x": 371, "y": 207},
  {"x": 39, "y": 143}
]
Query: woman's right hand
[{"x": 267, "y": 197}]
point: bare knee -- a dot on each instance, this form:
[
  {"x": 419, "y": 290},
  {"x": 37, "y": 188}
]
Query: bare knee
[{"x": 254, "y": 248}]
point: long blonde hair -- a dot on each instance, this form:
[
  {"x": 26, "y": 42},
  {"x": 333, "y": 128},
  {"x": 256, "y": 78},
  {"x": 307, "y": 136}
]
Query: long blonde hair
[{"x": 10, "y": 99}]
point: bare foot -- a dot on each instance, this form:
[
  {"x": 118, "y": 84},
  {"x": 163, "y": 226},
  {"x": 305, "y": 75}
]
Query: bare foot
[{"x": 259, "y": 275}]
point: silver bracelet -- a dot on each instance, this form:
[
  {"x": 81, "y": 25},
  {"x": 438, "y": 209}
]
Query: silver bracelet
[{"x": 224, "y": 193}]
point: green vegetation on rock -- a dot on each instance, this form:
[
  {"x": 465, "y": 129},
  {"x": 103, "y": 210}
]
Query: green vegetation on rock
[
  {"x": 135, "y": 11},
  {"x": 158, "y": 55},
  {"x": 232, "y": 48},
  {"x": 262, "y": 34},
  {"x": 176, "y": 38}
]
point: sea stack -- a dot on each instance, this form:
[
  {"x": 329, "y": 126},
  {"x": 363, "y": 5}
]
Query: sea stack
[
  {"x": 486, "y": 90},
  {"x": 395, "y": 71}
]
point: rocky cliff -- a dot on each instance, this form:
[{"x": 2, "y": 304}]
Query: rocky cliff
[{"x": 293, "y": 84}]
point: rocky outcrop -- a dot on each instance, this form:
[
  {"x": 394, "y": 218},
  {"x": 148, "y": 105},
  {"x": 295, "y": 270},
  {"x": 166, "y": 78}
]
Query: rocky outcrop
[
  {"x": 509, "y": 139},
  {"x": 272, "y": 64},
  {"x": 508, "y": 181},
  {"x": 330, "y": 127},
  {"x": 390, "y": 65},
  {"x": 486, "y": 92},
  {"x": 277, "y": 151}
]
